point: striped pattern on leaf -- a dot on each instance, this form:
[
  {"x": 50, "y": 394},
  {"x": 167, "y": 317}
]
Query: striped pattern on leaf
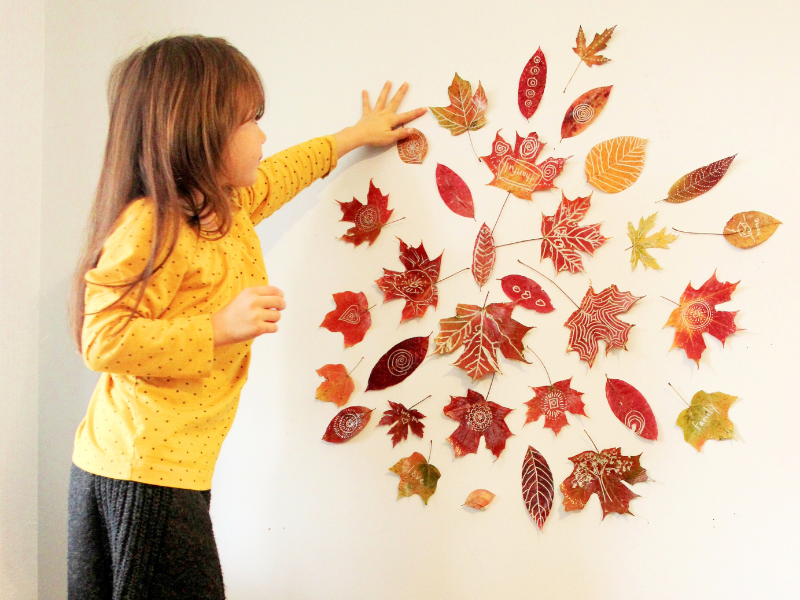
[
  {"x": 698, "y": 182},
  {"x": 483, "y": 256},
  {"x": 615, "y": 165},
  {"x": 537, "y": 486}
]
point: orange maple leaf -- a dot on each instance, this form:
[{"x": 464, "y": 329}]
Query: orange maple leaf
[
  {"x": 589, "y": 54},
  {"x": 338, "y": 385}
]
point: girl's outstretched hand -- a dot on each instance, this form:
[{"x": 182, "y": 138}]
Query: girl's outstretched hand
[
  {"x": 379, "y": 126},
  {"x": 253, "y": 312}
]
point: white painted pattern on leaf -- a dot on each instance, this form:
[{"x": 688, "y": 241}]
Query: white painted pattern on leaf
[{"x": 615, "y": 165}]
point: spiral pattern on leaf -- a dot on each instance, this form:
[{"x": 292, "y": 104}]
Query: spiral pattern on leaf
[
  {"x": 635, "y": 421},
  {"x": 501, "y": 147},
  {"x": 582, "y": 113},
  {"x": 400, "y": 362},
  {"x": 479, "y": 418},
  {"x": 529, "y": 148},
  {"x": 696, "y": 315},
  {"x": 368, "y": 218},
  {"x": 347, "y": 425}
]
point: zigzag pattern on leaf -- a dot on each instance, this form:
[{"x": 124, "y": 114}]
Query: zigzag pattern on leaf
[
  {"x": 537, "y": 486},
  {"x": 483, "y": 256},
  {"x": 615, "y": 165}
]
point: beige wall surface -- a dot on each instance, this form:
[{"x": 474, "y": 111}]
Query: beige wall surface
[{"x": 297, "y": 518}]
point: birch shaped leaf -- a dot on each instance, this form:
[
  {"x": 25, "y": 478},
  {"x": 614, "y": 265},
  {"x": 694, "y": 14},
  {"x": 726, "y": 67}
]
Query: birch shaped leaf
[
  {"x": 531, "y": 84},
  {"x": 483, "y": 256},
  {"x": 748, "y": 229},
  {"x": 537, "y": 486},
  {"x": 466, "y": 111},
  {"x": 454, "y": 192},
  {"x": 698, "y": 182},
  {"x": 631, "y": 408},
  {"x": 615, "y": 165},
  {"x": 641, "y": 242},
  {"x": 583, "y": 111}
]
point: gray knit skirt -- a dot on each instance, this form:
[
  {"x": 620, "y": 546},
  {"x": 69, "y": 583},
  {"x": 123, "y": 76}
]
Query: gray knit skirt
[{"x": 135, "y": 541}]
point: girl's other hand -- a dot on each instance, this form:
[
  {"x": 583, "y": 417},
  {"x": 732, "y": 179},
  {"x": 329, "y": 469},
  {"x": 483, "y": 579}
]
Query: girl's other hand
[
  {"x": 379, "y": 126},
  {"x": 253, "y": 312}
]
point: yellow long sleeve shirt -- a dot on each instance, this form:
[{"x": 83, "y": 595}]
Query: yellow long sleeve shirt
[{"x": 167, "y": 397}]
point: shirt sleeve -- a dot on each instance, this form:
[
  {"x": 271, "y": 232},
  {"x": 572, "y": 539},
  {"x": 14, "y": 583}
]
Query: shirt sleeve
[
  {"x": 284, "y": 175},
  {"x": 144, "y": 344}
]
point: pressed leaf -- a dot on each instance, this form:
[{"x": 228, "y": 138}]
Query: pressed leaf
[
  {"x": 350, "y": 317},
  {"x": 483, "y": 256},
  {"x": 417, "y": 476},
  {"x": 517, "y": 171},
  {"x": 526, "y": 293},
  {"x": 417, "y": 285},
  {"x": 454, "y": 192},
  {"x": 537, "y": 486},
  {"x": 482, "y": 331},
  {"x": 479, "y": 499},
  {"x": 641, "y": 242},
  {"x": 596, "y": 320},
  {"x": 631, "y": 408},
  {"x": 413, "y": 148},
  {"x": 583, "y": 111},
  {"x": 402, "y": 419},
  {"x": 348, "y": 423},
  {"x": 477, "y": 418},
  {"x": 563, "y": 237},
  {"x": 602, "y": 474},
  {"x": 615, "y": 165},
  {"x": 751, "y": 228},
  {"x": 531, "y": 84},
  {"x": 465, "y": 112},
  {"x": 369, "y": 218},
  {"x": 398, "y": 363},
  {"x": 338, "y": 385},
  {"x": 589, "y": 54},
  {"x": 697, "y": 314},
  {"x": 554, "y": 401},
  {"x": 707, "y": 419},
  {"x": 698, "y": 182}
]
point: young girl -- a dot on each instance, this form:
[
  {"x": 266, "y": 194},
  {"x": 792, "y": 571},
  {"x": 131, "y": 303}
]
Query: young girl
[{"x": 169, "y": 293}]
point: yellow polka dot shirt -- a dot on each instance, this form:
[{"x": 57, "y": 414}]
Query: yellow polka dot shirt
[{"x": 167, "y": 397}]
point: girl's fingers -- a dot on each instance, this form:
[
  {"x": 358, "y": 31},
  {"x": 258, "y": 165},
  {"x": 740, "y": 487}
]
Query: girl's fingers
[
  {"x": 381, "y": 103},
  {"x": 275, "y": 302},
  {"x": 394, "y": 103},
  {"x": 271, "y": 316},
  {"x": 365, "y": 102},
  {"x": 406, "y": 117}
]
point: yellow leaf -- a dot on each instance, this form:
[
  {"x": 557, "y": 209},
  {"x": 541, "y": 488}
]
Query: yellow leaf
[
  {"x": 748, "y": 229},
  {"x": 641, "y": 242},
  {"x": 615, "y": 165},
  {"x": 707, "y": 419}
]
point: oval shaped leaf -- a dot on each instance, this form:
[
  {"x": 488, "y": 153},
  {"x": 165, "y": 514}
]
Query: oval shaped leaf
[
  {"x": 531, "y": 84},
  {"x": 414, "y": 148},
  {"x": 583, "y": 111},
  {"x": 479, "y": 499},
  {"x": 526, "y": 293},
  {"x": 347, "y": 424},
  {"x": 454, "y": 192},
  {"x": 483, "y": 256},
  {"x": 615, "y": 165},
  {"x": 631, "y": 408},
  {"x": 751, "y": 228},
  {"x": 698, "y": 182},
  {"x": 398, "y": 363},
  {"x": 537, "y": 486}
]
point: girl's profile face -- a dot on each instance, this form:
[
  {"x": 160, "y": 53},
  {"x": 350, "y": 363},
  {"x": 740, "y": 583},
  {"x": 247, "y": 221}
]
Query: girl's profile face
[{"x": 243, "y": 154}]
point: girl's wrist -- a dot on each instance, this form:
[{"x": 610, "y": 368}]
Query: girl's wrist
[{"x": 346, "y": 140}]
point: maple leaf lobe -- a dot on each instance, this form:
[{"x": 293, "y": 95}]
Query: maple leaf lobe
[
  {"x": 368, "y": 218},
  {"x": 477, "y": 418},
  {"x": 417, "y": 285}
]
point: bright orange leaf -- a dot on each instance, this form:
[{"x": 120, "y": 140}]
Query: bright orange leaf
[
  {"x": 338, "y": 385},
  {"x": 615, "y": 165}
]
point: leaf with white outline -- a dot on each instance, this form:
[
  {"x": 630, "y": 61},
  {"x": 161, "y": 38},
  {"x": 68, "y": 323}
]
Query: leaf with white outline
[{"x": 537, "y": 486}]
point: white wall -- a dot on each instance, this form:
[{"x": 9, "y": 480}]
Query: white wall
[
  {"x": 21, "y": 82},
  {"x": 297, "y": 518}
]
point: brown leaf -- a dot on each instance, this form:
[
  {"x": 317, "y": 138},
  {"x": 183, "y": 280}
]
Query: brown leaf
[{"x": 698, "y": 182}]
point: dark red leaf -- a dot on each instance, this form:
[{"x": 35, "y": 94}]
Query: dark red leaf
[
  {"x": 554, "y": 401},
  {"x": 531, "y": 84},
  {"x": 398, "y": 363},
  {"x": 454, "y": 192},
  {"x": 417, "y": 285},
  {"x": 350, "y": 317},
  {"x": 526, "y": 293},
  {"x": 347, "y": 424},
  {"x": 631, "y": 408},
  {"x": 402, "y": 419},
  {"x": 477, "y": 418},
  {"x": 537, "y": 486},
  {"x": 369, "y": 218}
]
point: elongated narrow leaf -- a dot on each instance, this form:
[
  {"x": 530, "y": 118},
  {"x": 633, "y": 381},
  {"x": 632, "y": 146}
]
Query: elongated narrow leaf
[
  {"x": 537, "y": 486},
  {"x": 631, "y": 408},
  {"x": 698, "y": 182},
  {"x": 583, "y": 111},
  {"x": 454, "y": 192},
  {"x": 615, "y": 165},
  {"x": 483, "y": 256},
  {"x": 751, "y": 228},
  {"x": 398, "y": 363},
  {"x": 531, "y": 84}
]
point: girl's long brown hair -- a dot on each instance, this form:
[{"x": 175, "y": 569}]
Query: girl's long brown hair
[{"x": 173, "y": 106}]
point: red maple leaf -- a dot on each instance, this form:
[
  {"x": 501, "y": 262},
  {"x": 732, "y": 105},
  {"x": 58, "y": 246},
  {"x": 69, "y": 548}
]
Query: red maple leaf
[
  {"x": 602, "y": 474},
  {"x": 596, "y": 319},
  {"x": 477, "y": 418},
  {"x": 554, "y": 401},
  {"x": 562, "y": 237},
  {"x": 482, "y": 331},
  {"x": 401, "y": 419},
  {"x": 517, "y": 171},
  {"x": 350, "y": 317},
  {"x": 369, "y": 218},
  {"x": 417, "y": 285},
  {"x": 697, "y": 314}
]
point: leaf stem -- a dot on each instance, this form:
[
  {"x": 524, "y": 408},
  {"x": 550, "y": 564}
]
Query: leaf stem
[
  {"x": 469, "y": 135},
  {"x": 550, "y": 381},
  {"x": 371, "y": 307},
  {"x": 519, "y": 242},
  {"x": 430, "y": 452},
  {"x": 491, "y": 383},
  {"x": 668, "y": 300},
  {"x": 676, "y": 391},
  {"x": 449, "y": 276},
  {"x": 421, "y": 401},
  {"x": 590, "y": 438},
  {"x": 395, "y": 221},
  {"x": 566, "y": 86},
  {"x": 500, "y": 213},
  {"x": 550, "y": 280},
  {"x": 704, "y": 232},
  {"x": 354, "y": 368}
]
